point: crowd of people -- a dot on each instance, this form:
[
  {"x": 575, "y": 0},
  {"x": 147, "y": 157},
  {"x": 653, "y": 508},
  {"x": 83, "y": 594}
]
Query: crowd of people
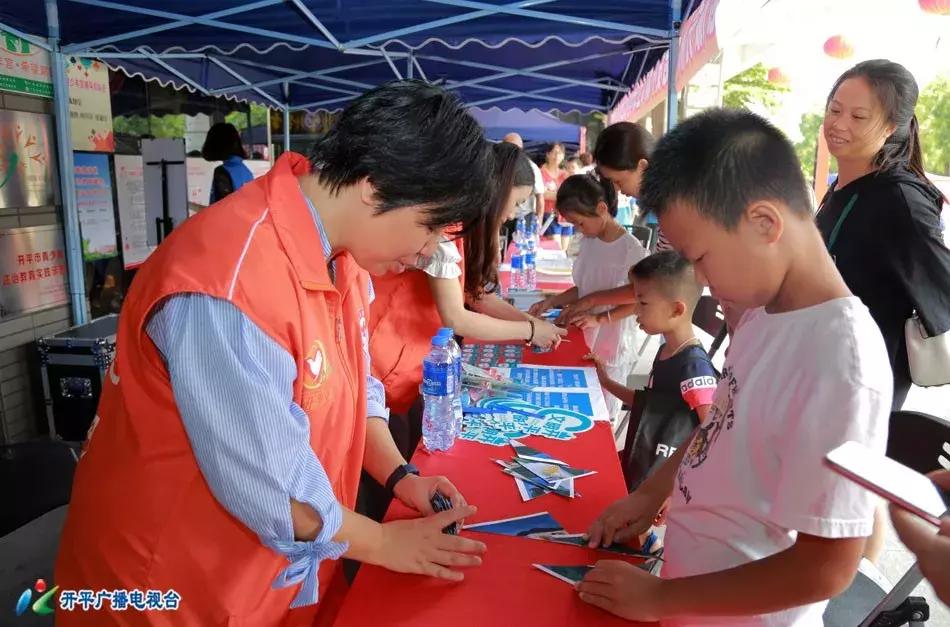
[{"x": 269, "y": 355}]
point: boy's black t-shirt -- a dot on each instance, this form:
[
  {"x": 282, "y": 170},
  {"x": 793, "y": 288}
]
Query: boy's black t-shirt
[{"x": 689, "y": 373}]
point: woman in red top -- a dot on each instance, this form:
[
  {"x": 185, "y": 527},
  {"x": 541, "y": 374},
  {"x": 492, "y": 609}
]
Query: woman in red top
[
  {"x": 452, "y": 289},
  {"x": 553, "y": 176}
]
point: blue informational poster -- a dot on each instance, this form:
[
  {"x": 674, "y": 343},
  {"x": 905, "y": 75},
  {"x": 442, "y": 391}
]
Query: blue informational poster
[
  {"x": 578, "y": 402},
  {"x": 550, "y": 377},
  {"x": 512, "y": 418}
]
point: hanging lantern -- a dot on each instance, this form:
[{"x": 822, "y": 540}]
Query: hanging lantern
[
  {"x": 838, "y": 47},
  {"x": 937, "y": 7},
  {"x": 777, "y": 77}
]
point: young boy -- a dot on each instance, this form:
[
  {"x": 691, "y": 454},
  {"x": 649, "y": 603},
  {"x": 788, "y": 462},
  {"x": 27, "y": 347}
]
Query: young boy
[
  {"x": 666, "y": 296},
  {"x": 760, "y": 531}
]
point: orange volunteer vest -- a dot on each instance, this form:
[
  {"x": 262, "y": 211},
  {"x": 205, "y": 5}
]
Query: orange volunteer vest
[
  {"x": 403, "y": 319},
  {"x": 141, "y": 515}
]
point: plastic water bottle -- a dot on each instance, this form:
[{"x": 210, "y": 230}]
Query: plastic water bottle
[
  {"x": 456, "y": 353},
  {"x": 530, "y": 271},
  {"x": 530, "y": 256},
  {"x": 438, "y": 385},
  {"x": 517, "y": 271},
  {"x": 520, "y": 232}
]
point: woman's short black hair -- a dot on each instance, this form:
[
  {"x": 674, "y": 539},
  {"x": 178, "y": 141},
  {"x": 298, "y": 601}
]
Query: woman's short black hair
[
  {"x": 721, "y": 161},
  {"x": 223, "y": 141},
  {"x": 418, "y": 146},
  {"x": 580, "y": 194}
]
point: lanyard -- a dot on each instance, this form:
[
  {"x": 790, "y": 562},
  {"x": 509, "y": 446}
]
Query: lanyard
[{"x": 844, "y": 214}]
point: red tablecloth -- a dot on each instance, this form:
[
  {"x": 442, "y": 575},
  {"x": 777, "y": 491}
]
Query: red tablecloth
[{"x": 505, "y": 589}]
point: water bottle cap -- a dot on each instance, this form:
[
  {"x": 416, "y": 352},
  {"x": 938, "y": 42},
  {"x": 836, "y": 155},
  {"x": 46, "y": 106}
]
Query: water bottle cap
[
  {"x": 439, "y": 340},
  {"x": 446, "y": 331},
  {"x": 556, "y": 228}
]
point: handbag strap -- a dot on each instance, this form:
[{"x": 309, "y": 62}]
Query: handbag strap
[{"x": 844, "y": 214}]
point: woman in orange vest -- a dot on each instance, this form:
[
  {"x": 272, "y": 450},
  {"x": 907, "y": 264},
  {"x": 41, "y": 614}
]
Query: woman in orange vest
[
  {"x": 219, "y": 476},
  {"x": 412, "y": 305}
]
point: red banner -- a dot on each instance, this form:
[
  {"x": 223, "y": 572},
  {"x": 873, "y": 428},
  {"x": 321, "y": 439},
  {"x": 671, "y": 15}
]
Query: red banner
[{"x": 697, "y": 44}]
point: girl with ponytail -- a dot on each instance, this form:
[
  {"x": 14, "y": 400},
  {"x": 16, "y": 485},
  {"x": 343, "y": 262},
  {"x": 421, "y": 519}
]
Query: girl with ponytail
[
  {"x": 606, "y": 255},
  {"x": 881, "y": 218}
]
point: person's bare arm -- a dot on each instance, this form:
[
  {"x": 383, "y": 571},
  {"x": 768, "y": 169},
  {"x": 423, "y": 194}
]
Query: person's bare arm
[
  {"x": 566, "y": 297},
  {"x": 584, "y": 319},
  {"x": 702, "y": 411},
  {"x": 491, "y": 305},
  {"x": 451, "y": 305},
  {"x": 811, "y": 570},
  {"x": 622, "y": 392},
  {"x": 622, "y": 295}
]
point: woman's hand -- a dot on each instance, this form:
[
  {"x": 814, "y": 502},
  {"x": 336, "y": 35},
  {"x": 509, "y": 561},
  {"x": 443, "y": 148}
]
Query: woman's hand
[
  {"x": 546, "y": 334},
  {"x": 417, "y": 492},
  {"x": 540, "y": 307},
  {"x": 419, "y": 546}
]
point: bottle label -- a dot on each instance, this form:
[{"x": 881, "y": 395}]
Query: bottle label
[
  {"x": 529, "y": 259},
  {"x": 516, "y": 262},
  {"x": 437, "y": 379}
]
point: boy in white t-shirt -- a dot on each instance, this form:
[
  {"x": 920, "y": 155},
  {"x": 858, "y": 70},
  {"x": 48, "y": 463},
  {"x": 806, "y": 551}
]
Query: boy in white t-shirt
[{"x": 760, "y": 531}]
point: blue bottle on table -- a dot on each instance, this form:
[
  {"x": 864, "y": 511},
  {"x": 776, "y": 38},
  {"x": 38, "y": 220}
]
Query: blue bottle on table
[
  {"x": 438, "y": 387},
  {"x": 456, "y": 353}
]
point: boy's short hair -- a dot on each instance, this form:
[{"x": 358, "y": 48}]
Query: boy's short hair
[
  {"x": 721, "y": 161},
  {"x": 672, "y": 274},
  {"x": 418, "y": 146}
]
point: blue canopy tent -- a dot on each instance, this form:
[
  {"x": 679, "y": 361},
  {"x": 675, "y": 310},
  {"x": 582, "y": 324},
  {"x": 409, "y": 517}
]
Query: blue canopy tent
[
  {"x": 533, "y": 126},
  {"x": 550, "y": 55}
]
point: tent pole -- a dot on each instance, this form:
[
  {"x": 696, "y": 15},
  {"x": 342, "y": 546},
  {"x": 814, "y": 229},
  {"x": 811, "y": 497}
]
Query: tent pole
[
  {"x": 286, "y": 117},
  {"x": 672, "y": 104},
  {"x": 74, "y": 262},
  {"x": 286, "y": 128}
]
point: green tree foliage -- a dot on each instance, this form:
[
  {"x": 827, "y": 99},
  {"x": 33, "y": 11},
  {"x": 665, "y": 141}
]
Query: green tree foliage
[
  {"x": 752, "y": 86},
  {"x": 933, "y": 113},
  {"x": 809, "y": 127},
  {"x": 259, "y": 117}
]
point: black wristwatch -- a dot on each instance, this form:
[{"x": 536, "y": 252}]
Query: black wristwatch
[{"x": 399, "y": 474}]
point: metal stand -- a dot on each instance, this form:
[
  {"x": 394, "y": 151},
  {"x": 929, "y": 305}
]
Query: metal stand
[{"x": 165, "y": 224}]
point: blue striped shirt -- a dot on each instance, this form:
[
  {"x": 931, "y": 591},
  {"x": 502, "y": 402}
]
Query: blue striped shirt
[{"x": 233, "y": 386}]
